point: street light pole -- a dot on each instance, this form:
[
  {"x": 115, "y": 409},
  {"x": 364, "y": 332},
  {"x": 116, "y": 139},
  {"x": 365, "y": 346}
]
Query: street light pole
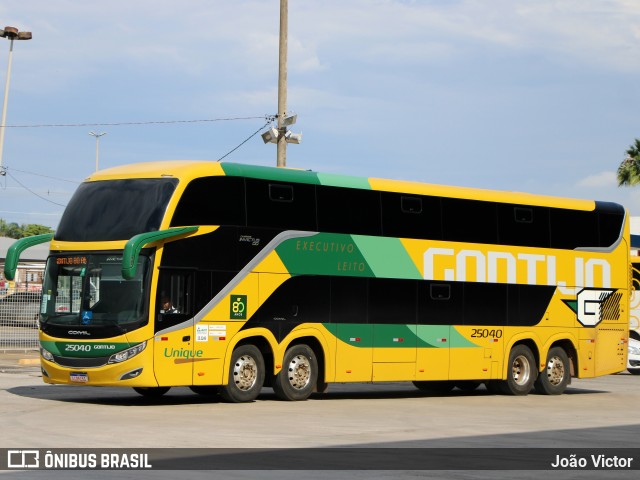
[
  {"x": 97, "y": 135},
  {"x": 12, "y": 34},
  {"x": 282, "y": 84}
]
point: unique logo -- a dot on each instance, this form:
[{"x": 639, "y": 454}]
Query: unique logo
[
  {"x": 79, "y": 332},
  {"x": 238, "y": 307},
  {"x": 593, "y": 305}
]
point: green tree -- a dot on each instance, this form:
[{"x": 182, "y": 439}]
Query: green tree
[
  {"x": 35, "y": 229},
  {"x": 13, "y": 230},
  {"x": 629, "y": 170}
]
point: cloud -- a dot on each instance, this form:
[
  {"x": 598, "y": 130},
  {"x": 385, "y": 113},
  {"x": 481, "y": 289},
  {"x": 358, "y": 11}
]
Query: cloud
[{"x": 599, "y": 180}]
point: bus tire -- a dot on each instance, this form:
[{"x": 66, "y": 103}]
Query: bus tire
[
  {"x": 553, "y": 380},
  {"x": 299, "y": 374},
  {"x": 246, "y": 375},
  {"x": 435, "y": 386},
  {"x": 521, "y": 371},
  {"x": 151, "y": 392}
]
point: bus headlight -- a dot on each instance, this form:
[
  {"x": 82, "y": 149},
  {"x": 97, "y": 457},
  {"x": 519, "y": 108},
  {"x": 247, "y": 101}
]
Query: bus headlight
[
  {"x": 128, "y": 353},
  {"x": 46, "y": 354}
]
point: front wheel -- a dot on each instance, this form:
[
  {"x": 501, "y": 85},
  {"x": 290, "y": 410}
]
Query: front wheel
[
  {"x": 299, "y": 374},
  {"x": 553, "y": 380},
  {"x": 521, "y": 372},
  {"x": 246, "y": 375}
]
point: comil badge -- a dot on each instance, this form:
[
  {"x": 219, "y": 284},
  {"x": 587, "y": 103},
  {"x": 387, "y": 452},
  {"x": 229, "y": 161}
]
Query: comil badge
[{"x": 593, "y": 305}]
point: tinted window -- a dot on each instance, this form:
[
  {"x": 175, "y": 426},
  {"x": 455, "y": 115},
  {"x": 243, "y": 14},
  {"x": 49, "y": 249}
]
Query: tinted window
[
  {"x": 571, "y": 229},
  {"x": 346, "y": 210},
  {"x": 392, "y": 301},
  {"x": 520, "y": 225},
  {"x": 299, "y": 299},
  {"x": 485, "y": 303},
  {"x": 115, "y": 209},
  {"x": 469, "y": 221},
  {"x": 211, "y": 201},
  {"x": 440, "y": 303},
  {"x": 286, "y": 206},
  {"x": 610, "y": 227},
  {"x": 528, "y": 303},
  {"x": 349, "y": 300},
  {"x": 215, "y": 251},
  {"x": 411, "y": 217}
]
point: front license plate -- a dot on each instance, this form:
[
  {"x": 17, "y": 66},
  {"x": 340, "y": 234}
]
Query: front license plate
[{"x": 79, "y": 377}]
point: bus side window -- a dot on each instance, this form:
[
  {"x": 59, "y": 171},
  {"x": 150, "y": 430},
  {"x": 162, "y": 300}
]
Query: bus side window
[{"x": 174, "y": 297}]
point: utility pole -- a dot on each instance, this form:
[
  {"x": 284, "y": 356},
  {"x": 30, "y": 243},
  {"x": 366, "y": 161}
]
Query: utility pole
[{"x": 282, "y": 84}]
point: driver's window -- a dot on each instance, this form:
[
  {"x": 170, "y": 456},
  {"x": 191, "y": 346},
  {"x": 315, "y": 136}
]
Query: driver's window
[{"x": 174, "y": 297}]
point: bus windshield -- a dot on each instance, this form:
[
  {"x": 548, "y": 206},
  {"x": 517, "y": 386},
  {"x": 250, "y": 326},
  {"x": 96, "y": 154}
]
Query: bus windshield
[{"x": 88, "y": 291}]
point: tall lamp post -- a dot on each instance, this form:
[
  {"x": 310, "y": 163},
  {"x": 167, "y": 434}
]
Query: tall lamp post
[
  {"x": 97, "y": 135},
  {"x": 10, "y": 33}
]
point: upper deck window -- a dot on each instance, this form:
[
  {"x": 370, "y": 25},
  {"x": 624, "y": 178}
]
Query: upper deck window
[{"x": 115, "y": 209}]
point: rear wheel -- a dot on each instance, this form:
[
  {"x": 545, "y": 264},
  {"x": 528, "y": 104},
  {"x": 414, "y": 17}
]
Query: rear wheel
[
  {"x": 299, "y": 374},
  {"x": 152, "y": 392},
  {"x": 553, "y": 380},
  {"x": 246, "y": 375},
  {"x": 521, "y": 373}
]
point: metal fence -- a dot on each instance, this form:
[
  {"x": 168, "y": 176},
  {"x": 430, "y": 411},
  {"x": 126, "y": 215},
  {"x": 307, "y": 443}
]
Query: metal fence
[{"x": 19, "y": 310}]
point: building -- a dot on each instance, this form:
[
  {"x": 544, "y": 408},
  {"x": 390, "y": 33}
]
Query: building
[{"x": 30, "y": 269}]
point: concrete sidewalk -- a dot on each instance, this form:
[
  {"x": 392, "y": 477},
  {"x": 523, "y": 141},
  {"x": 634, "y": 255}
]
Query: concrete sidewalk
[{"x": 19, "y": 360}]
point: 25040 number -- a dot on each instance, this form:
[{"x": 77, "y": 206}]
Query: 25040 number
[
  {"x": 486, "y": 333},
  {"x": 77, "y": 348}
]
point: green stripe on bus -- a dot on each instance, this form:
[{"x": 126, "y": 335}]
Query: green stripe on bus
[
  {"x": 83, "y": 349},
  {"x": 333, "y": 180},
  {"x": 297, "y": 176},
  {"x": 413, "y": 336},
  {"x": 387, "y": 257},
  {"x": 324, "y": 254},
  {"x": 270, "y": 173}
]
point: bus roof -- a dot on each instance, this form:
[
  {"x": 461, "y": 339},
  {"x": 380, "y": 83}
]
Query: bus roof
[{"x": 186, "y": 170}]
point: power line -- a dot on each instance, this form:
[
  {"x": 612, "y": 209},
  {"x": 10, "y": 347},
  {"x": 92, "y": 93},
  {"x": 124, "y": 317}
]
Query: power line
[
  {"x": 153, "y": 122},
  {"x": 269, "y": 120},
  {"x": 34, "y": 193},
  {"x": 45, "y": 176}
]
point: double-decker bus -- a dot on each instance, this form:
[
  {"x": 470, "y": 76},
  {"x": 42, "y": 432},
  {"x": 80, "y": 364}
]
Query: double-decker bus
[{"x": 226, "y": 278}]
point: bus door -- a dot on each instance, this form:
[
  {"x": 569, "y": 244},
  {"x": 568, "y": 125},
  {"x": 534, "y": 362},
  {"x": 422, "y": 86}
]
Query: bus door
[
  {"x": 392, "y": 311},
  {"x": 354, "y": 333},
  {"x": 174, "y": 349},
  {"x": 439, "y": 306}
]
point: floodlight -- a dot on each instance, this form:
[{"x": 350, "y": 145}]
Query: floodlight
[
  {"x": 293, "y": 137},
  {"x": 290, "y": 120},
  {"x": 270, "y": 136}
]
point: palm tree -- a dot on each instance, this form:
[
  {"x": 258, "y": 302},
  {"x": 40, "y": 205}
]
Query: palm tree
[{"x": 629, "y": 170}]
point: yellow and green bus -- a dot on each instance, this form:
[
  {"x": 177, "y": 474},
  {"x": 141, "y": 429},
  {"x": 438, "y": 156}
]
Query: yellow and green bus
[{"x": 229, "y": 278}]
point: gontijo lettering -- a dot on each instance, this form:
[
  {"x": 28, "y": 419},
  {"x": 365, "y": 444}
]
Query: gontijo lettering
[{"x": 523, "y": 268}]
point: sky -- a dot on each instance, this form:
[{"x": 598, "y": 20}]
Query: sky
[{"x": 537, "y": 96}]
